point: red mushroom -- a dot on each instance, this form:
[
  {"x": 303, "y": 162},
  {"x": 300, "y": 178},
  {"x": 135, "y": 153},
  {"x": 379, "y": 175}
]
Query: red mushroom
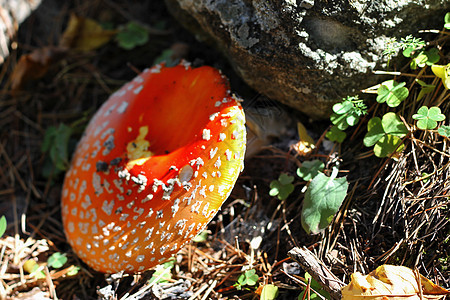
[{"x": 153, "y": 167}]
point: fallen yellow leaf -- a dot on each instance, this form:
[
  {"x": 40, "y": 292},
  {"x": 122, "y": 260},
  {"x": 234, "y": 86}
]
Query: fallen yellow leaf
[
  {"x": 389, "y": 282},
  {"x": 85, "y": 34}
]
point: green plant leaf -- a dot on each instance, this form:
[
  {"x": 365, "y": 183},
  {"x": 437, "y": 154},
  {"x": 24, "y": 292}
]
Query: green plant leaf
[
  {"x": 444, "y": 130},
  {"x": 310, "y": 169},
  {"x": 249, "y": 277},
  {"x": 57, "y": 260},
  {"x": 387, "y": 145},
  {"x": 447, "y": 21},
  {"x": 269, "y": 292},
  {"x": 322, "y": 200},
  {"x": 425, "y": 89},
  {"x": 282, "y": 187},
  {"x": 315, "y": 286},
  {"x": 432, "y": 56},
  {"x": 443, "y": 72},
  {"x": 201, "y": 237},
  {"x": 336, "y": 135},
  {"x": 374, "y": 133},
  {"x": 162, "y": 272},
  {"x": 384, "y": 134},
  {"x": 340, "y": 121},
  {"x": 392, "y": 124},
  {"x": 427, "y": 118},
  {"x": 73, "y": 270},
  {"x": 342, "y": 107},
  {"x": 132, "y": 35},
  {"x": 3, "y": 225},
  {"x": 56, "y": 144},
  {"x": 392, "y": 92}
]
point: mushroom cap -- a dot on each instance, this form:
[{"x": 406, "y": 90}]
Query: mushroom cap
[{"x": 153, "y": 167}]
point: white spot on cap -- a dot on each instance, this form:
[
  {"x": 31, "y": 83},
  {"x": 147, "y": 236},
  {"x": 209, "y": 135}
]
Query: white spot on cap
[
  {"x": 107, "y": 207},
  {"x": 213, "y": 152},
  {"x": 228, "y": 154},
  {"x": 138, "y": 89},
  {"x": 222, "y": 136},
  {"x": 213, "y": 116},
  {"x": 71, "y": 227},
  {"x": 218, "y": 163},
  {"x": 206, "y": 135},
  {"x": 123, "y": 106}
]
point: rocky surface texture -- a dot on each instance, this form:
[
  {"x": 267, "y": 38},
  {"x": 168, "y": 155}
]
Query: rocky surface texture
[{"x": 306, "y": 54}]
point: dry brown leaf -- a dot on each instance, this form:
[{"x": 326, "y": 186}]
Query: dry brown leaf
[
  {"x": 85, "y": 34},
  {"x": 389, "y": 282},
  {"x": 306, "y": 143},
  {"x": 34, "y": 65}
]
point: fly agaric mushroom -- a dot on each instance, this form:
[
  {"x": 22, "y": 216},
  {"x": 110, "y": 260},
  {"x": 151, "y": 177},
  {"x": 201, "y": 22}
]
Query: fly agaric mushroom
[{"x": 155, "y": 164}]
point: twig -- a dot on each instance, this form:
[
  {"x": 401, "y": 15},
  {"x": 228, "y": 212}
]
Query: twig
[{"x": 309, "y": 262}]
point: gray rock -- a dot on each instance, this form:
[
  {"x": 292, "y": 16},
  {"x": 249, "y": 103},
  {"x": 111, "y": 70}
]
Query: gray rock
[{"x": 307, "y": 54}]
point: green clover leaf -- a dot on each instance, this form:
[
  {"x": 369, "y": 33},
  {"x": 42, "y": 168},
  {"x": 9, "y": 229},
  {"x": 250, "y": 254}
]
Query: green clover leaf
[
  {"x": 444, "y": 130},
  {"x": 249, "y": 277},
  {"x": 269, "y": 292},
  {"x": 387, "y": 145},
  {"x": 310, "y": 169},
  {"x": 57, "y": 260},
  {"x": 282, "y": 187},
  {"x": 347, "y": 112},
  {"x": 425, "y": 88},
  {"x": 427, "y": 118},
  {"x": 384, "y": 134},
  {"x": 132, "y": 35},
  {"x": 336, "y": 135},
  {"x": 392, "y": 92}
]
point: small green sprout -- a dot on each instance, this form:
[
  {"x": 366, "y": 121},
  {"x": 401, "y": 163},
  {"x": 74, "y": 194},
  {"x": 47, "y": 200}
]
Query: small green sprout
[
  {"x": 425, "y": 88},
  {"x": 57, "y": 260},
  {"x": 425, "y": 58},
  {"x": 201, "y": 237},
  {"x": 348, "y": 112},
  {"x": 310, "y": 169},
  {"x": 269, "y": 292},
  {"x": 315, "y": 286},
  {"x": 73, "y": 270},
  {"x": 444, "y": 130},
  {"x": 384, "y": 134},
  {"x": 249, "y": 278},
  {"x": 447, "y": 21},
  {"x": 408, "y": 44},
  {"x": 163, "y": 272},
  {"x": 32, "y": 267},
  {"x": 392, "y": 92},
  {"x": 336, "y": 135},
  {"x": 56, "y": 144},
  {"x": 427, "y": 118},
  {"x": 132, "y": 35},
  {"x": 3, "y": 225},
  {"x": 282, "y": 187}
]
